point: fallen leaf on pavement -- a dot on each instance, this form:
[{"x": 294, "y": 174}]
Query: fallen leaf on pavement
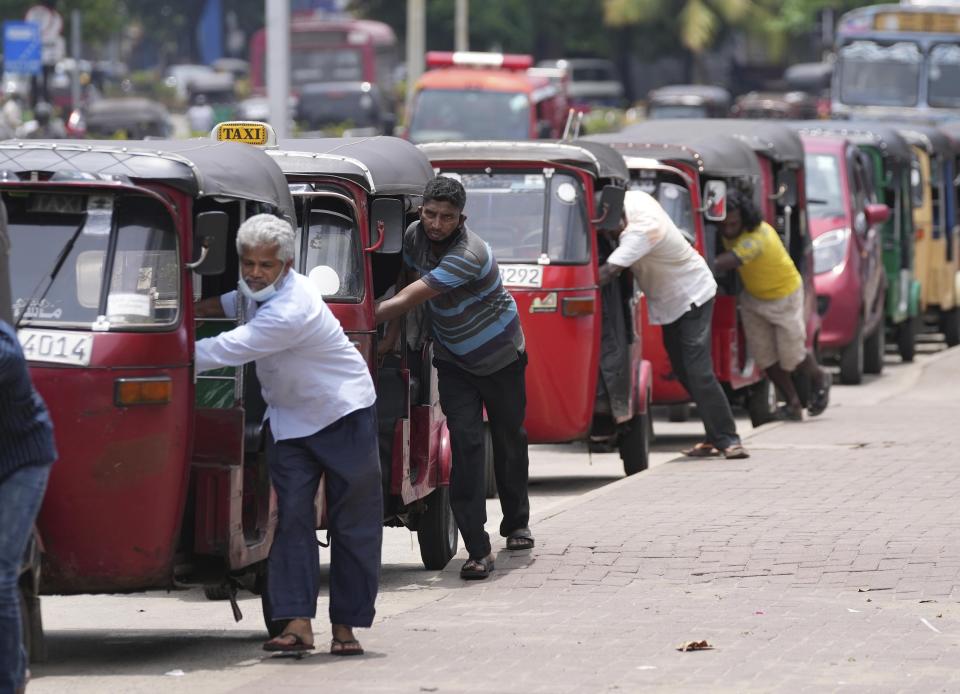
[{"x": 694, "y": 646}]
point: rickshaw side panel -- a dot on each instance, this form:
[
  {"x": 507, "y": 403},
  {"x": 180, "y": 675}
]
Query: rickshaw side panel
[{"x": 127, "y": 482}]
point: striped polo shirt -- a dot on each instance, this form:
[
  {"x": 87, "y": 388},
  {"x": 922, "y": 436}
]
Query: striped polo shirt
[{"x": 474, "y": 319}]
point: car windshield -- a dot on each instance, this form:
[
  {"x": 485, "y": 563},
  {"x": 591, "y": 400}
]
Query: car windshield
[
  {"x": 944, "y": 76},
  {"x": 876, "y": 75},
  {"x": 450, "y": 114},
  {"x": 330, "y": 107},
  {"x": 678, "y": 111},
  {"x": 141, "y": 259},
  {"x": 507, "y": 211},
  {"x": 309, "y": 64},
  {"x": 824, "y": 186},
  {"x": 331, "y": 254}
]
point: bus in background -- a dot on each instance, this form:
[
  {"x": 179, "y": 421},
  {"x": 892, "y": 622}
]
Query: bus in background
[
  {"x": 486, "y": 96},
  {"x": 324, "y": 50},
  {"x": 898, "y": 60}
]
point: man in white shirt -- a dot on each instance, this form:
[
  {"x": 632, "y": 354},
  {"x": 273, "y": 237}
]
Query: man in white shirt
[
  {"x": 680, "y": 290},
  {"x": 320, "y": 407}
]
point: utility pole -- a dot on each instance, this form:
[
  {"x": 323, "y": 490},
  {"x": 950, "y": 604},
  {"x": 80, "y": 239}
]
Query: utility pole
[
  {"x": 75, "y": 19},
  {"x": 416, "y": 44},
  {"x": 278, "y": 63},
  {"x": 461, "y": 26}
]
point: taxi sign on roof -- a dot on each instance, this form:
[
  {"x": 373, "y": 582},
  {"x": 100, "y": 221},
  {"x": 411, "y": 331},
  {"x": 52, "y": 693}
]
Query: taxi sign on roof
[{"x": 246, "y": 132}]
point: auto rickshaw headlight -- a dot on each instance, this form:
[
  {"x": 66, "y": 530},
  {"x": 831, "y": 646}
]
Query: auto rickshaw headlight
[
  {"x": 830, "y": 250},
  {"x": 143, "y": 391},
  {"x": 574, "y": 306}
]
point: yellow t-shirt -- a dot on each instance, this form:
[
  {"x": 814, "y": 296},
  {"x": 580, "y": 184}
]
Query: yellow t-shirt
[{"x": 767, "y": 270}]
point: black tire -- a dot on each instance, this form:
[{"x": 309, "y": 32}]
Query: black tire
[
  {"x": 489, "y": 472},
  {"x": 220, "y": 592},
  {"x": 437, "y": 532},
  {"x": 950, "y": 325},
  {"x": 274, "y": 627},
  {"x": 762, "y": 402},
  {"x": 874, "y": 349},
  {"x": 851, "y": 360},
  {"x": 679, "y": 412},
  {"x": 634, "y": 443},
  {"x": 907, "y": 339}
]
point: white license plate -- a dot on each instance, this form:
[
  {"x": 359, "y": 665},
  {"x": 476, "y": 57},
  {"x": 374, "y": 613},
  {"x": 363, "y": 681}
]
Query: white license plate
[
  {"x": 56, "y": 347},
  {"x": 522, "y": 275}
]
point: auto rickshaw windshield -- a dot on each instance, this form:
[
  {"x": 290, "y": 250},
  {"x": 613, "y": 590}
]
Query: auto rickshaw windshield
[
  {"x": 131, "y": 238},
  {"x": 331, "y": 253},
  {"x": 507, "y": 210},
  {"x": 824, "y": 186}
]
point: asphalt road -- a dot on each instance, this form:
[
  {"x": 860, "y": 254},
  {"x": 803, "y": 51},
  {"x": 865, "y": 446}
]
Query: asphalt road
[{"x": 151, "y": 641}]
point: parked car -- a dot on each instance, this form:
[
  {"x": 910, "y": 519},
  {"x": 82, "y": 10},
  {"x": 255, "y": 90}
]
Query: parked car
[
  {"x": 356, "y": 106},
  {"x": 124, "y": 118},
  {"x": 688, "y": 101},
  {"x": 591, "y": 82}
]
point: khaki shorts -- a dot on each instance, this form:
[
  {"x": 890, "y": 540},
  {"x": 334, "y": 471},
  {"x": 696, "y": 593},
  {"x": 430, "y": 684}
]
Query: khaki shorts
[{"x": 775, "y": 329}]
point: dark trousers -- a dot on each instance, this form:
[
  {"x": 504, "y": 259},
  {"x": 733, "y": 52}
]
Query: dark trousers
[
  {"x": 462, "y": 398},
  {"x": 687, "y": 341},
  {"x": 346, "y": 454}
]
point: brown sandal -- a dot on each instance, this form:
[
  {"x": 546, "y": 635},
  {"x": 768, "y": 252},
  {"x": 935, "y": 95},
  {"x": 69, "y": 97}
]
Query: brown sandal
[{"x": 702, "y": 450}]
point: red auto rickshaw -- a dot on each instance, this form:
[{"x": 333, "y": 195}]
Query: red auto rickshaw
[
  {"x": 540, "y": 206},
  {"x": 690, "y": 180}
]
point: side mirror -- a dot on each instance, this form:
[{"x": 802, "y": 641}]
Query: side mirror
[
  {"x": 386, "y": 226},
  {"x": 610, "y": 208},
  {"x": 787, "y": 188},
  {"x": 715, "y": 200},
  {"x": 210, "y": 243},
  {"x": 389, "y": 121},
  {"x": 877, "y": 214},
  {"x": 544, "y": 129}
]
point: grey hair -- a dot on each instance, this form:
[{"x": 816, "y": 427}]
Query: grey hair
[{"x": 267, "y": 231}]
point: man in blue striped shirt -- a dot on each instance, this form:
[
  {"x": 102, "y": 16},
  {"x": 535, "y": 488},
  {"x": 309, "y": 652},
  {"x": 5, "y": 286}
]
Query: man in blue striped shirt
[{"x": 480, "y": 360}]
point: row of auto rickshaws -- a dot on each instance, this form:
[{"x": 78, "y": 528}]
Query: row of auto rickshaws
[{"x": 162, "y": 480}]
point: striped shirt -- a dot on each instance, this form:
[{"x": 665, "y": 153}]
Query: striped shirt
[
  {"x": 26, "y": 433},
  {"x": 474, "y": 319}
]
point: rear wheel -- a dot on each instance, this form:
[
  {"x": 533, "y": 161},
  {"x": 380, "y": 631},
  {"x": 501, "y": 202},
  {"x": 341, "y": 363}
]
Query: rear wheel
[
  {"x": 762, "y": 402},
  {"x": 907, "y": 339},
  {"x": 437, "y": 532},
  {"x": 851, "y": 360},
  {"x": 489, "y": 473},
  {"x": 950, "y": 325},
  {"x": 873, "y": 351},
  {"x": 679, "y": 412},
  {"x": 634, "y": 443}
]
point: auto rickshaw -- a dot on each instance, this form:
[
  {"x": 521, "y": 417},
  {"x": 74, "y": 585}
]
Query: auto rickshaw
[
  {"x": 682, "y": 177},
  {"x": 354, "y": 198},
  {"x": 688, "y": 101},
  {"x": 891, "y": 167},
  {"x": 535, "y": 204},
  {"x": 775, "y": 105},
  {"x": 936, "y": 250},
  {"x": 162, "y": 478}
]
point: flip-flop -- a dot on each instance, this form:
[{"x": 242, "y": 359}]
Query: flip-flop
[
  {"x": 520, "y": 539},
  {"x": 477, "y": 569},
  {"x": 735, "y": 452},
  {"x": 702, "y": 450},
  {"x": 297, "y": 646},
  {"x": 344, "y": 648}
]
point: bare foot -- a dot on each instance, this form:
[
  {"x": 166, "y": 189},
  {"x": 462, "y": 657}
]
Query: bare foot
[{"x": 344, "y": 642}]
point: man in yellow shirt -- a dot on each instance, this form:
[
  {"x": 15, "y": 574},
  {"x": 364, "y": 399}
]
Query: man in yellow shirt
[{"x": 771, "y": 305}]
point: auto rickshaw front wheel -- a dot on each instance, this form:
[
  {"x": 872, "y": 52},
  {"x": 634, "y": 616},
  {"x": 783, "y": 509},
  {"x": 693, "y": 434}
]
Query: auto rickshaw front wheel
[
  {"x": 762, "y": 402},
  {"x": 437, "y": 531},
  {"x": 634, "y": 443},
  {"x": 907, "y": 339},
  {"x": 950, "y": 326}
]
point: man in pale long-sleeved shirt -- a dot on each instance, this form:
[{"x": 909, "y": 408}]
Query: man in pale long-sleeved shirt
[{"x": 322, "y": 420}]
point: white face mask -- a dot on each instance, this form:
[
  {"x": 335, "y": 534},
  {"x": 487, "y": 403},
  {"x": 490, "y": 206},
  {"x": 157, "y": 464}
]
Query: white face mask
[{"x": 260, "y": 295}]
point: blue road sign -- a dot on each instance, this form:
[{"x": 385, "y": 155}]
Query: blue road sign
[{"x": 22, "y": 48}]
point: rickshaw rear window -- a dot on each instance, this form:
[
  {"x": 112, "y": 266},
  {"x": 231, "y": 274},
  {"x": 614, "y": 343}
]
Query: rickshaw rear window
[
  {"x": 332, "y": 254},
  {"x": 508, "y": 210},
  {"x": 135, "y": 232}
]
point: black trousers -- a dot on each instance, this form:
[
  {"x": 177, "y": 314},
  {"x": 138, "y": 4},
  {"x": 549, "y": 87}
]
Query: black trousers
[
  {"x": 346, "y": 453},
  {"x": 687, "y": 341},
  {"x": 463, "y": 396}
]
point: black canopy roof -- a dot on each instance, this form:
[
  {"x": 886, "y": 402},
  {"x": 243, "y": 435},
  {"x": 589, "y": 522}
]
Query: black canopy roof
[
  {"x": 200, "y": 167},
  {"x": 929, "y": 137},
  {"x": 597, "y": 159},
  {"x": 382, "y": 165},
  {"x": 714, "y": 155},
  {"x": 772, "y": 139},
  {"x": 885, "y": 138}
]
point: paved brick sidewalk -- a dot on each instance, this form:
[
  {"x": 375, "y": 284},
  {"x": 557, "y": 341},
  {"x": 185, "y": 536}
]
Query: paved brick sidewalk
[{"x": 829, "y": 561}]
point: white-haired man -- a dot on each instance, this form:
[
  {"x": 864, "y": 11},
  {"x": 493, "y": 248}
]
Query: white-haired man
[{"x": 322, "y": 420}]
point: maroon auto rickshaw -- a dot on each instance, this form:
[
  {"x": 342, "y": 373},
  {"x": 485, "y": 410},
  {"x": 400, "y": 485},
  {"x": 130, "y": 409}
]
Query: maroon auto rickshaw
[{"x": 541, "y": 207}]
